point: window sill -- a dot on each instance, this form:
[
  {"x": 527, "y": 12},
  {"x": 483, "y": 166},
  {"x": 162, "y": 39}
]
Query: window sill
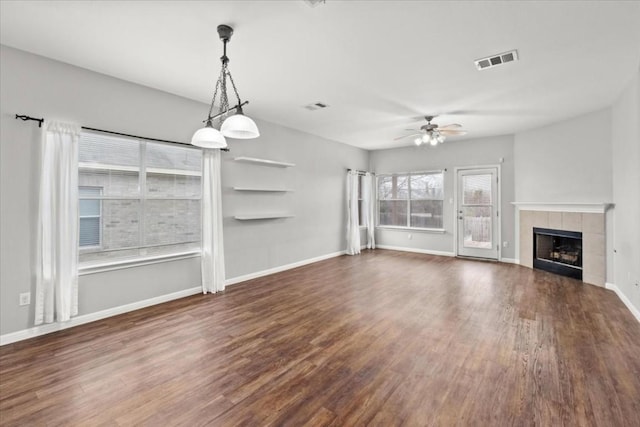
[
  {"x": 100, "y": 267},
  {"x": 425, "y": 230}
]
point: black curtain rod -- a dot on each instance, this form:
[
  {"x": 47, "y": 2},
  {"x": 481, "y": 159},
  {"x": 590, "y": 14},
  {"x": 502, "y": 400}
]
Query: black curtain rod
[
  {"x": 26, "y": 118},
  {"x": 359, "y": 172}
]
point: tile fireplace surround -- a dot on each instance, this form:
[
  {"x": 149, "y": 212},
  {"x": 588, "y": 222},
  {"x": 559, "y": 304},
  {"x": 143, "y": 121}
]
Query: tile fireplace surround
[{"x": 589, "y": 219}]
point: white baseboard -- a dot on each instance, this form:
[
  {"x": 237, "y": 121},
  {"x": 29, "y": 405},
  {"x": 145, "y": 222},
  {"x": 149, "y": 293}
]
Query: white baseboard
[
  {"x": 441, "y": 253},
  {"x": 92, "y": 317},
  {"x": 624, "y": 299},
  {"x": 415, "y": 250},
  {"x": 269, "y": 271}
]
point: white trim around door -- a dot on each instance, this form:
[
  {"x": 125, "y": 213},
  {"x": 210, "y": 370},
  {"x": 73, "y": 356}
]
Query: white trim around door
[{"x": 494, "y": 250}]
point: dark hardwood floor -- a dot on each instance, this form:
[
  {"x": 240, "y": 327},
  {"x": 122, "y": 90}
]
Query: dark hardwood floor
[{"x": 385, "y": 338}]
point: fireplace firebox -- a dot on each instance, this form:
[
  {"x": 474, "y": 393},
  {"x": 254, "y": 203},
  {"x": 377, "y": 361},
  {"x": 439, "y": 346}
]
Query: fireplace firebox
[{"x": 558, "y": 251}]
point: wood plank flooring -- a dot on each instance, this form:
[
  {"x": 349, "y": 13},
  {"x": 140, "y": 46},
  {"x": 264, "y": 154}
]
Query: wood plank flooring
[{"x": 385, "y": 338}]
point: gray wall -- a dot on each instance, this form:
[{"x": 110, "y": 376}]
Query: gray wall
[
  {"x": 568, "y": 162},
  {"x": 317, "y": 199},
  {"x": 564, "y": 162},
  {"x": 41, "y": 87},
  {"x": 626, "y": 191},
  {"x": 476, "y": 152}
]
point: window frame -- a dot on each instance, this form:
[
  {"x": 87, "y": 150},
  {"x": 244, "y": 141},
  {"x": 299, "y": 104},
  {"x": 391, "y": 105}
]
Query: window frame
[
  {"x": 408, "y": 201},
  {"x": 142, "y": 196}
]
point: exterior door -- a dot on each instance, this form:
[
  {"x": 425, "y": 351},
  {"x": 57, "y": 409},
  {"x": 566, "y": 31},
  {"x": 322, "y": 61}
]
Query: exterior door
[{"x": 477, "y": 213}]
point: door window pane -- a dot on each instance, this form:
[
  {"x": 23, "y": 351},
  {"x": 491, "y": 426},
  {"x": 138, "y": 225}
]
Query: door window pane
[
  {"x": 477, "y": 189},
  {"x": 477, "y": 227}
]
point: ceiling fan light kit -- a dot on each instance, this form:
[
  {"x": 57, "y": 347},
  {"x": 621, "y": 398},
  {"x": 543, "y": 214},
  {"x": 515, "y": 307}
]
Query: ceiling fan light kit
[
  {"x": 237, "y": 126},
  {"x": 433, "y": 134}
]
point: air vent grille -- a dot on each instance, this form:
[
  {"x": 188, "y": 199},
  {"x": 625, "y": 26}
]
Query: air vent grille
[
  {"x": 316, "y": 106},
  {"x": 495, "y": 60}
]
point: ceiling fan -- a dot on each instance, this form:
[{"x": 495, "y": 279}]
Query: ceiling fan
[{"x": 432, "y": 133}]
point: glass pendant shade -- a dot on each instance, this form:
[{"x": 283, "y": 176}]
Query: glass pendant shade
[
  {"x": 209, "y": 137},
  {"x": 434, "y": 140},
  {"x": 239, "y": 126}
]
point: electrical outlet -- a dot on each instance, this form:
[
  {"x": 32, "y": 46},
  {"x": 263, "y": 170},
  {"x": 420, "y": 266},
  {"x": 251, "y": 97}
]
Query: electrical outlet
[
  {"x": 505, "y": 244},
  {"x": 25, "y": 298},
  {"x": 409, "y": 236}
]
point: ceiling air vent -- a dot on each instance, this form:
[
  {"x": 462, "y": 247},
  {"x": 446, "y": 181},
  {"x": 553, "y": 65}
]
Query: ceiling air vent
[
  {"x": 495, "y": 60},
  {"x": 316, "y": 106}
]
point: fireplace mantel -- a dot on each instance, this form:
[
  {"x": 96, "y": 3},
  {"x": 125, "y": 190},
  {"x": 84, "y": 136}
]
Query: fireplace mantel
[{"x": 564, "y": 207}]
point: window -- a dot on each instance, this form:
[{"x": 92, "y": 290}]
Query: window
[
  {"x": 137, "y": 198},
  {"x": 412, "y": 200},
  {"x": 90, "y": 216}
]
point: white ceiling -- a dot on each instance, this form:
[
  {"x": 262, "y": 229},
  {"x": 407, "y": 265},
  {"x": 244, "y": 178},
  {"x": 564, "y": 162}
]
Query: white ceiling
[{"x": 378, "y": 64}]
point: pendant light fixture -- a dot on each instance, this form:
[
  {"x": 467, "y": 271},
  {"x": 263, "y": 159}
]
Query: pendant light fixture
[{"x": 237, "y": 125}]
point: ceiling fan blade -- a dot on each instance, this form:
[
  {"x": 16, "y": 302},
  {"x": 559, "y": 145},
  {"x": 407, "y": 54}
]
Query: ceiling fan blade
[
  {"x": 452, "y": 132},
  {"x": 406, "y": 136},
  {"x": 450, "y": 126},
  {"x": 412, "y": 130}
]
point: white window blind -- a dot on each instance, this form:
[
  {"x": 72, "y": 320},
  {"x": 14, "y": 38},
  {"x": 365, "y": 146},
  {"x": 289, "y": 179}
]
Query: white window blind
[{"x": 147, "y": 196}]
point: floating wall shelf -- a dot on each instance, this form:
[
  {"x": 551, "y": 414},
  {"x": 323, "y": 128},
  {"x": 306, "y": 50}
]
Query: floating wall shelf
[
  {"x": 263, "y": 216},
  {"x": 264, "y": 162},
  {"x": 270, "y": 190}
]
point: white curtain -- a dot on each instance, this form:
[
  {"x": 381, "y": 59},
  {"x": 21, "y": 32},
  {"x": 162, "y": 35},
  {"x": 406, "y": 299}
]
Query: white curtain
[
  {"x": 369, "y": 206},
  {"x": 212, "y": 259},
  {"x": 57, "y": 245},
  {"x": 353, "y": 228}
]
